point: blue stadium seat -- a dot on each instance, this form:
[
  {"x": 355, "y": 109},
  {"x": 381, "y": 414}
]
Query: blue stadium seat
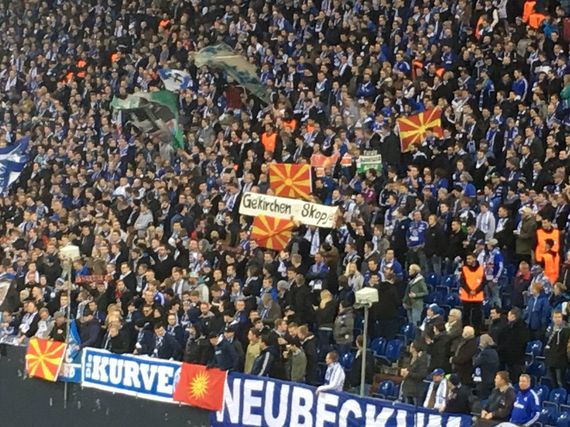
[
  {"x": 432, "y": 279},
  {"x": 563, "y": 420},
  {"x": 543, "y": 391},
  {"x": 392, "y": 352},
  {"x": 408, "y": 331},
  {"x": 449, "y": 281},
  {"x": 534, "y": 348},
  {"x": 346, "y": 360},
  {"x": 387, "y": 390},
  {"x": 453, "y": 300},
  {"x": 548, "y": 414},
  {"x": 558, "y": 396},
  {"x": 537, "y": 369},
  {"x": 378, "y": 346}
]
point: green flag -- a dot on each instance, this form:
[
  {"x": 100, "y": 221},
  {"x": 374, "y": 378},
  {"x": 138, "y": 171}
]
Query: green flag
[
  {"x": 236, "y": 66},
  {"x": 155, "y": 113}
]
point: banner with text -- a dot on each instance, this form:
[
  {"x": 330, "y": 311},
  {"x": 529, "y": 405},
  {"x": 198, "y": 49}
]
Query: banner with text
[
  {"x": 138, "y": 376},
  {"x": 254, "y": 204},
  {"x": 254, "y": 401}
]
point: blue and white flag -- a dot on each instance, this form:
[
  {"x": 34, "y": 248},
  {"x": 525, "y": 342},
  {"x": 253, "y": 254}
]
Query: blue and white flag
[
  {"x": 13, "y": 160},
  {"x": 175, "y": 80},
  {"x": 73, "y": 344}
]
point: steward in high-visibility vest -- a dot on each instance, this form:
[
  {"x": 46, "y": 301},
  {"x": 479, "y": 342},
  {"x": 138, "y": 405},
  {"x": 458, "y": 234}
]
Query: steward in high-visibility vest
[
  {"x": 472, "y": 292},
  {"x": 551, "y": 260},
  {"x": 472, "y": 281},
  {"x": 547, "y": 231}
]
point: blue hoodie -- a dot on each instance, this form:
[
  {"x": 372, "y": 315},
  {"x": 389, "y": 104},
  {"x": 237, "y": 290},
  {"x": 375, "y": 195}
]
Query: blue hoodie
[
  {"x": 537, "y": 312},
  {"x": 526, "y": 409}
]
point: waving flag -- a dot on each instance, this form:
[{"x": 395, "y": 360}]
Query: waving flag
[
  {"x": 413, "y": 128},
  {"x": 155, "y": 113},
  {"x": 175, "y": 80},
  {"x": 290, "y": 180},
  {"x": 201, "y": 387},
  {"x": 236, "y": 66},
  {"x": 271, "y": 233},
  {"x": 44, "y": 358},
  {"x": 13, "y": 160}
]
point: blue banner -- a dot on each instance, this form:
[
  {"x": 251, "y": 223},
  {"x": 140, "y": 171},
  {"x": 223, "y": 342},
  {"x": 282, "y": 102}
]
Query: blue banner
[
  {"x": 70, "y": 373},
  {"x": 138, "y": 376},
  {"x": 13, "y": 160},
  {"x": 255, "y": 401}
]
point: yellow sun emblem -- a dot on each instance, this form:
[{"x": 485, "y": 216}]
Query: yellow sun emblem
[{"x": 199, "y": 385}]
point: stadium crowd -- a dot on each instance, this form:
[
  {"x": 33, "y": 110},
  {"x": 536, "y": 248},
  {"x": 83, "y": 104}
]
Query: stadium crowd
[{"x": 464, "y": 236}]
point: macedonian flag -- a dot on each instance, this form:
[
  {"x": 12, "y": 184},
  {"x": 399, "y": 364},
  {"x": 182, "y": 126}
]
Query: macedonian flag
[
  {"x": 289, "y": 180},
  {"x": 413, "y": 128},
  {"x": 44, "y": 358},
  {"x": 271, "y": 233},
  {"x": 200, "y": 387}
]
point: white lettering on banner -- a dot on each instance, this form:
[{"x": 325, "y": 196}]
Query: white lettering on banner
[
  {"x": 348, "y": 407},
  {"x": 99, "y": 365},
  {"x": 164, "y": 383},
  {"x": 115, "y": 371},
  {"x": 131, "y": 374},
  {"x": 255, "y": 204},
  {"x": 232, "y": 400},
  {"x": 251, "y": 401},
  {"x": 270, "y": 419},
  {"x": 148, "y": 372},
  {"x": 380, "y": 420},
  {"x": 301, "y": 405},
  {"x": 324, "y": 401},
  {"x": 401, "y": 418}
]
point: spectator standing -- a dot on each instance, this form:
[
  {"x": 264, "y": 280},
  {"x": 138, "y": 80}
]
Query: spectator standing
[
  {"x": 471, "y": 292},
  {"x": 412, "y": 388},
  {"x": 486, "y": 364},
  {"x": 537, "y": 312},
  {"x": 462, "y": 361},
  {"x": 512, "y": 343},
  {"x": 253, "y": 349},
  {"x": 526, "y": 235},
  {"x": 457, "y": 397},
  {"x": 309, "y": 346},
  {"x": 325, "y": 314},
  {"x": 343, "y": 329},
  {"x": 556, "y": 349},
  {"x": 414, "y": 296}
]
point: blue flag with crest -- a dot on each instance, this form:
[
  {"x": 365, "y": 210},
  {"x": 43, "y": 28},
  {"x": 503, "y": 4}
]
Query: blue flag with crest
[{"x": 13, "y": 160}]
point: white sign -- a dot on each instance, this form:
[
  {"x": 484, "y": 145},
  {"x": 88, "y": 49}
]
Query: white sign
[{"x": 254, "y": 204}]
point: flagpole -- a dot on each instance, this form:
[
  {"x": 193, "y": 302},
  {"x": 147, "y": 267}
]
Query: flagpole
[{"x": 68, "y": 322}]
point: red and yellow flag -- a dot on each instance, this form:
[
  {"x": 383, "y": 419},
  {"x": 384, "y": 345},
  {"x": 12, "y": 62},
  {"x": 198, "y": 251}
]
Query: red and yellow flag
[
  {"x": 44, "y": 358},
  {"x": 200, "y": 387},
  {"x": 413, "y": 128},
  {"x": 271, "y": 233},
  {"x": 289, "y": 180}
]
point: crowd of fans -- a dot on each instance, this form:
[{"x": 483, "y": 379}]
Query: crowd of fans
[{"x": 464, "y": 236}]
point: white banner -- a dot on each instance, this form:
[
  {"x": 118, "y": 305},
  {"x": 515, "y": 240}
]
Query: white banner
[{"x": 254, "y": 204}]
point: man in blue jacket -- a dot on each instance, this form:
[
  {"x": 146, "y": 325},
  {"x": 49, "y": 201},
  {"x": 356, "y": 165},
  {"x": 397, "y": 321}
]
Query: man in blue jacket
[
  {"x": 526, "y": 409},
  {"x": 225, "y": 355}
]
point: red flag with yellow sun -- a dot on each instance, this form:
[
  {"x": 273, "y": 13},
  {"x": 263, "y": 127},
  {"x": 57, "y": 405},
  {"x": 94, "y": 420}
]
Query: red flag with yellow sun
[
  {"x": 271, "y": 233},
  {"x": 289, "y": 180},
  {"x": 413, "y": 128},
  {"x": 44, "y": 358},
  {"x": 201, "y": 387}
]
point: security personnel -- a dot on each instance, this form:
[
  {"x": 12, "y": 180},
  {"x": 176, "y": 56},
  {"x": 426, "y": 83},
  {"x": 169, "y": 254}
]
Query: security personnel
[
  {"x": 271, "y": 141},
  {"x": 471, "y": 292},
  {"x": 547, "y": 231}
]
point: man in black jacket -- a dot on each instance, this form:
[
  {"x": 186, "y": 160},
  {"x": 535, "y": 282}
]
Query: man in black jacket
[
  {"x": 384, "y": 315},
  {"x": 512, "y": 343},
  {"x": 354, "y": 373},
  {"x": 165, "y": 345},
  {"x": 301, "y": 309},
  {"x": 500, "y": 403},
  {"x": 309, "y": 344},
  {"x": 556, "y": 349},
  {"x": 435, "y": 244}
]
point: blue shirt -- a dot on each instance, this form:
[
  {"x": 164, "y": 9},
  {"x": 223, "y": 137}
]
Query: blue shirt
[{"x": 526, "y": 409}]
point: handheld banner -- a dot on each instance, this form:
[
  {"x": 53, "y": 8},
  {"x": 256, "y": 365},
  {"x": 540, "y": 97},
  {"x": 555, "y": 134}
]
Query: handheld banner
[{"x": 255, "y": 204}]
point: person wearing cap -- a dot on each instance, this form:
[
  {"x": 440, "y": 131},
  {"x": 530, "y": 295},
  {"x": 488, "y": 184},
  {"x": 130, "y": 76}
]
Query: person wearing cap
[
  {"x": 499, "y": 406},
  {"x": 59, "y": 330},
  {"x": 89, "y": 328},
  {"x": 526, "y": 235},
  {"x": 229, "y": 335},
  {"x": 494, "y": 270},
  {"x": 437, "y": 391},
  {"x": 486, "y": 364}
]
